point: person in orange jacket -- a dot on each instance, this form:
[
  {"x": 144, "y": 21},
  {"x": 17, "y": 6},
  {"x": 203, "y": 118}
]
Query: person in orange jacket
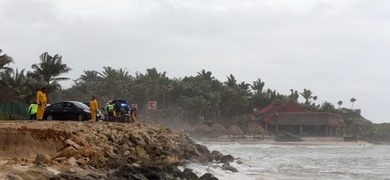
[
  {"x": 93, "y": 106},
  {"x": 41, "y": 101},
  {"x": 133, "y": 114}
]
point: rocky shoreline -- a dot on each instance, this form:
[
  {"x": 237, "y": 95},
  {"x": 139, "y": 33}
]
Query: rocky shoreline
[{"x": 85, "y": 150}]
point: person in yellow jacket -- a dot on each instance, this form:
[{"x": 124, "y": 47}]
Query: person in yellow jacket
[
  {"x": 41, "y": 101},
  {"x": 93, "y": 106},
  {"x": 133, "y": 114},
  {"x": 32, "y": 110}
]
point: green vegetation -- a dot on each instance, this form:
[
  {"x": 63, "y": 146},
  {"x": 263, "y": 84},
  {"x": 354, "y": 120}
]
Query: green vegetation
[
  {"x": 188, "y": 99},
  {"x": 282, "y": 136}
]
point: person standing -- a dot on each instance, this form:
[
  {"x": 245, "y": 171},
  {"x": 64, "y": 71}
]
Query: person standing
[
  {"x": 118, "y": 111},
  {"x": 110, "y": 111},
  {"x": 127, "y": 113},
  {"x": 133, "y": 114},
  {"x": 93, "y": 106},
  {"x": 41, "y": 100},
  {"x": 32, "y": 110}
]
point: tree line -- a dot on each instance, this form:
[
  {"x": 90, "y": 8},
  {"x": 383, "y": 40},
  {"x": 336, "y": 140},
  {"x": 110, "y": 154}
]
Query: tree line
[
  {"x": 194, "y": 98},
  {"x": 201, "y": 96}
]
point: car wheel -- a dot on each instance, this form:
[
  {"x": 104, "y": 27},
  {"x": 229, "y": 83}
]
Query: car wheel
[
  {"x": 80, "y": 117},
  {"x": 49, "y": 117}
]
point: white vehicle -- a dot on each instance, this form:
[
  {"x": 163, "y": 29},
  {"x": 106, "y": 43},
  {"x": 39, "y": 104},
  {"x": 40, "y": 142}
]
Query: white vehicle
[{"x": 99, "y": 115}]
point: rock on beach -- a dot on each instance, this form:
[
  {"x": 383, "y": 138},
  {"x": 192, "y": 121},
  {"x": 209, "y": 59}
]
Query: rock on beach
[{"x": 85, "y": 150}]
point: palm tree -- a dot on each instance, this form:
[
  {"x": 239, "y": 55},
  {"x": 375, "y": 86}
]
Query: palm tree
[
  {"x": 242, "y": 99},
  {"x": 307, "y": 94},
  {"x": 327, "y": 107},
  {"x": 258, "y": 86},
  {"x": 171, "y": 113},
  {"x": 315, "y": 99},
  {"x": 154, "y": 82},
  {"x": 130, "y": 87},
  {"x": 124, "y": 79},
  {"x": 200, "y": 105},
  {"x": 352, "y": 101},
  {"x": 49, "y": 70},
  {"x": 5, "y": 60},
  {"x": 235, "y": 98},
  {"x": 110, "y": 81},
  {"x": 89, "y": 83},
  {"x": 89, "y": 77},
  {"x": 13, "y": 85},
  {"x": 205, "y": 76},
  {"x": 228, "y": 100},
  {"x": 340, "y": 103},
  {"x": 294, "y": 95},
  {"x": 231, "y": 82},
  {"x": 215, "y": 99}
]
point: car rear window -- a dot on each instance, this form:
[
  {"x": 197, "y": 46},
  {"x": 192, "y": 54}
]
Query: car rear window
[{"x": 80, "y": 105}]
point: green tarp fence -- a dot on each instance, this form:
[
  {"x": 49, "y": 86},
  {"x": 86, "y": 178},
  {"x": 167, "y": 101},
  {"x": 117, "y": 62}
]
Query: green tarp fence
[{"x": 14, "y": 111}]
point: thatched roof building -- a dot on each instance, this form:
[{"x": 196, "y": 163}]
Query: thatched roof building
[
  {"x": 234, "y": 130},
  {"x": 254, "y": 129},
  {"x": 201, "y": 127},
  {"x": 218, "y": 128},
  {"x": 268, "y": 113},
  {"x": 309, "y": 119},
  {"x": 317, "y": 123}
]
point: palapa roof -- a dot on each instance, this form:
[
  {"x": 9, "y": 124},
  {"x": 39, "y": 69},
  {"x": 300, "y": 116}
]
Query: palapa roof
[
  {"x": 187, "y": 128},
  {"x": 218, "y": 128},
  {"x": 234, "y": 129},
  {"x": 255, "y": 128},
  {"x": 201, "y": 127},
  {"x": 311, "y": 119},
  {"x": 268, "y": 113}
]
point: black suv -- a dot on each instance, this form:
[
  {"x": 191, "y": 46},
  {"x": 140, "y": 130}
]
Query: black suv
[{"x": 122, "y": 102}]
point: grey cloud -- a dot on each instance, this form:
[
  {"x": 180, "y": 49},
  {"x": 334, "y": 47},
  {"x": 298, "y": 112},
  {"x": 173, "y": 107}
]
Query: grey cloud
[{"x": 338, "y": 49}]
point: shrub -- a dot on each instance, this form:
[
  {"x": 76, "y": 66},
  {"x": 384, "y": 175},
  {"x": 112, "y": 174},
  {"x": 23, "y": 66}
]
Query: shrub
[{"x": 282, "y": 136}]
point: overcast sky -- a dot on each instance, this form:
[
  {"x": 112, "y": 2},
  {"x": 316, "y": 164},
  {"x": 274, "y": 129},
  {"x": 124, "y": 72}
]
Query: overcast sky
[{"x": 339, "y": 49}]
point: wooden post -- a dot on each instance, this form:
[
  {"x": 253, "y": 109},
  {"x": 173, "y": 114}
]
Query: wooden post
[
  {"x": 326, "y": 133},
  {"x": 331, "y": 130},
  {"x": 300, "y": 130}
]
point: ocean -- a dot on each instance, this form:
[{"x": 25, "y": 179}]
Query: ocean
[{"x": 301, "y": 162}]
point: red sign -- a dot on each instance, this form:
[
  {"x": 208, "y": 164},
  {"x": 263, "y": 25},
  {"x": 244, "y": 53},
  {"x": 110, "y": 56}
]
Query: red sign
[{"x": 152, "y": 105}]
